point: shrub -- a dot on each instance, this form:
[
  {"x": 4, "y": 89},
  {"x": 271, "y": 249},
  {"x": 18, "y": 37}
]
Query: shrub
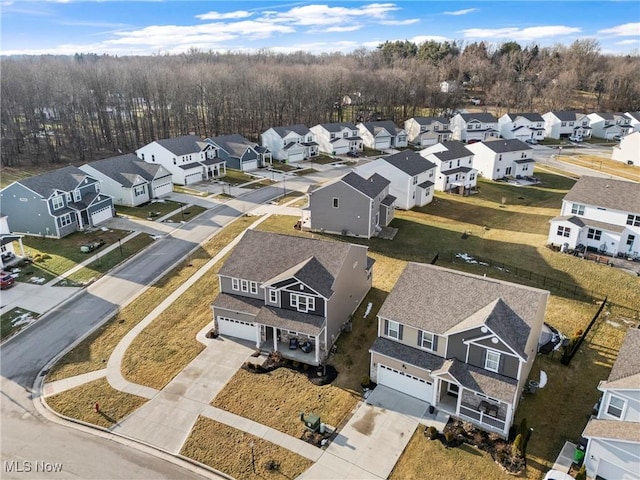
[
  {"x": 582, "y": 473},
  {"x": 516, "y": 448},
  {"x": 431, "y": 433},
  {"x": 449, "y": 437},
  {"x": 522, "y": 430},
  {"x": 295, "y": 364},
  {"x": 365, "y": 382},
  {"x": 272, "y": 465}
]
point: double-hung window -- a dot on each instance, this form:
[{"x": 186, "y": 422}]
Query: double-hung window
[
  {"x": 244, "y": 285},
  {"x": 615, "y": 407},
  {"x": 57, "y": 202},
  {"x": 235, "y": 284},
  {"x": 594, "y": 234},
  {"x": 303, "y": 303},
  {"x": 492, "y": 361},
  {"x": 564, "y": 231},
  {"x": 577, "y": 209},
  {"x": 427, "y": 341},
  {"x": 633, "y": 220},
  {"x": 253, "y": 287},
  {"x": 394, "y": 330},
  {"x": 273, "y": 296}
]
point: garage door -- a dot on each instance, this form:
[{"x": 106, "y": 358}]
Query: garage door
[
  {"x": 341, "y": 150},
  {"x": 236, "y": 328},
  {"x": 101, "y": 215},
  {"x": 193, "y": 178},
  {"x": 296, "y": 157},
  {"x": 609, "y": 471},
  {"x": 163, "y": 189},
  {"x": 250, "y": 165},
  {"x": 382, "y": 144},
  {"x": 405, "y": 383}
]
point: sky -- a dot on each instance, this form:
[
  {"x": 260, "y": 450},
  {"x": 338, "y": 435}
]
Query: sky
[{"x": 151, "y": 27}]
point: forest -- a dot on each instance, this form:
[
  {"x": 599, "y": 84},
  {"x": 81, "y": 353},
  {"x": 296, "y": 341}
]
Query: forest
[{"x": 73, "y": 109}]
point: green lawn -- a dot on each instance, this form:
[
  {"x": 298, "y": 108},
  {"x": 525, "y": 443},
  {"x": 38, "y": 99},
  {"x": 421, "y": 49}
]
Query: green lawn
[
  {"x": 11, "y": 321},
  {"x": 283, "y": 167},
  {"x": 186, "y": 213},
  {"x": 149, "y": 211},
  {"x": 236, "y": 177}
]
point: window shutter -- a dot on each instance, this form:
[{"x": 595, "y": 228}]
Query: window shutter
[
  {"x": 435, "y": 343},
  {"x": 386, "y": 327},
  {"x": 419, "y": 338},
  {"x": 501, "y": 363},
  {"x": 400, "y": 332}
]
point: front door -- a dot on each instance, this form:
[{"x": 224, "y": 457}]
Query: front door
[{"x": 507, "y": 171}]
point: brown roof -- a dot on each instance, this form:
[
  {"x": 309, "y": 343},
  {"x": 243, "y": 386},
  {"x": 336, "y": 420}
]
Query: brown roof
[
  {"x": 606, "y": 193},
  {"x": 612, "y": 429},
  {"x": 625, "y": 373}
]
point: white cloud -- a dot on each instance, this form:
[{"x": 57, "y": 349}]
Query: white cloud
[
  {"x": 86, "y": 23},
  {"x": 628, "y": 42},
  {"x": 224, "y": 16},
  {"x": 409, "y": 21},
  {"x": 626, "y": 30},
  {"x": 337, "y": 29},
  {"x": 309, "y": 15},
  {"x": 461, "y": 12},
  {"x": 425, "y": 38},
  {"x": 522, "y": 34}
]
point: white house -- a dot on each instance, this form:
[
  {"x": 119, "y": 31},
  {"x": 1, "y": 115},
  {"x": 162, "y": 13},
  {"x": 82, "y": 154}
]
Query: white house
[
  {"x": 634, "y": 120},
  {"x": 454, "y": 166},
  {"x": 188, "y": 158},
  {"x": 448, "y": 86},
  {"x": 425, "y": 131},
  {"x": 628, "y": 150},
  {"x": 601, "y": 213},
  {"x": 502, "y": 158},
  {"x": 523, "y": 126},
  {"x": 474, "y": 127},
  {"x": 7, "y": 252},
  {"x": 609, "y": 125},
  {"x": 565, "y": 124},
  {"x": 411, "y": 177},
  {"x": 382, "y": 135},
  {"x": 290, "y": 144},
  {"x": 613, "y": 448},
  {"x": 337, "y": 138},
  {"x": 239, "y": 153}
]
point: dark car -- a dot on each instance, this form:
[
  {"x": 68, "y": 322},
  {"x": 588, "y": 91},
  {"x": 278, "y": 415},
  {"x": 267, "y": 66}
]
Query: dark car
[
  {"x": 352, "y": 153},
  {"x": 6, "y": 280}
]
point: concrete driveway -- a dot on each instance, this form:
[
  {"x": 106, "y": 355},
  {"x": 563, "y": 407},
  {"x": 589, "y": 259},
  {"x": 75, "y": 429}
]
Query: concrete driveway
[
  {"x": 369, "y": 445},
  {"x": 35, "y": 298}
]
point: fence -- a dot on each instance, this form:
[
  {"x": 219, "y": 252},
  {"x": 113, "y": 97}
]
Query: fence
[{"x": 569, "y": 353}]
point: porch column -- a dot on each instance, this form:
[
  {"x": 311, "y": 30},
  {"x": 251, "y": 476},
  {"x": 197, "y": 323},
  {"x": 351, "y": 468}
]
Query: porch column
[
  {"x": 21, "y": 247},
  {"x": 258, "y": 336},
  {"x": 317, "y": 352},
  {"x": 275, "y": 339}
]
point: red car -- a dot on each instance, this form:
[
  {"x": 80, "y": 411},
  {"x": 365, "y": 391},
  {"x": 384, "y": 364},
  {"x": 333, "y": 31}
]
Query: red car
[{"x": 6, "y": 280}]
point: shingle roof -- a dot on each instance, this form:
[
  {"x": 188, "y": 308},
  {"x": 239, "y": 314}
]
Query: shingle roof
[
  {"x": 388, "y": 200},
  {"x": 388, "y": 125},
  {"x": 298, "y": 129},
  {"x": 454, "y": 150},
  {"x": 429, "y": 120},
  {"x": 65, "y": 179},
  {"x": 483, "y": 381},
  {"x": 371, "y": 187},
  {"x": 338, "y": 127},
  {"x": 567, "y": 116},
  {"x": 291, "y": 320},
  {"x": 125, "y": 168},
  {"x": 235, "y": 145},
  {"x": 183, "y": 145},
  {"x": 531, "y": 116},
  {"x": 568, "y": 218},
  {"x": 189, "y": 166},
  {"x": 409, "y": 162},
  {"x": 261, "y": 256},
  {"x": 483, "y": 117},
  {"x": 428, "y": 288},
  {"x": 606, "y": 193},
  {"x": 238, "y": 303},
  {"x": 635, "y": 115},
  {"x": 626, "y": 370},
  {"x": 407, "y": 354},
  {"x": 613, "y": 430},
  {"x": 504, "y": 146}
]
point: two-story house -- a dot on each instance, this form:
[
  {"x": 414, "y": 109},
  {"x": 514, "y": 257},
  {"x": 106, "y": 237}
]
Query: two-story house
[
  {"x": 129, "y": 180},
  {"x": 565, "y": 124},
  {"x": 425, "y": 131},
  {"x": 613, "y": 448},
  {"x": 454, "y": 167},
  {"x": 474, "y": 127},
  {"x": 523, "y": 126},
  {"x": 634, "y": 120},
  {"x": 351, "y": 205},
  {"x": 8, "y": 255},
  {"x": 290, "y": 144},
  {"x": 463, "y": 343},
  {"x": 274, "y": 288},
  {"x": 502, "y": 158},
  {"x": 411, "y": 177},
  {"x": 600, "y": 213},
  {"x": 56, "y": 203},
  {"x": 337, "y": 138},
  {"x": 188, "y": 158},
  {"x": 382, "y": 135},
  {"x": 628, "y": 150},
  {"x": 239, "y": 153},
  {"x": 609, "y": 125}
]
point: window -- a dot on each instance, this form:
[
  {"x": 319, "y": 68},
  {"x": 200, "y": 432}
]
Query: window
[
  {"x": 139, "y": 190},
  {"x": 273, "y": 296},
  {"x": 57, "y": 202},
  {"x": 571, "y": 124},
  {"x": 631, "y": 239},
  {"x": 594, "y": 234},
  {"x": 472, "y": 176},
  {"x": 577, "y": 209},
  {"x": 564, "y": 124},
  {"x": 415, "y": 180},
  {"x": 253, "y": 287},
  {"x": 492, "y": 362},
  {"x": 332, "y": 136},
  {"x": 564, "y": 231},
  {"x": 174, "y": 161},
  {"x": 153, "y": 158},
  {"x": 235, "y": 284},
  {"x": 616, "y": 406},
  {"x": 244, "y": 285},
  {"x": 336, "y": 202},
  {"x": 427, "y": 341},
  {"x": 499, "y": 157},
  {"x": 142, "y": 156},
  {"x": 65, "y": 220},
  {"x": 302, "y": 302},
  {"x": 633, "y": 220},
  {"x": 393, "y": 330}
]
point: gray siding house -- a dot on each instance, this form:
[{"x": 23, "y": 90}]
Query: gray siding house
[
  {"x": 307, "y": 294},
  {"x": 55, "y": 203},
  {"x": 461, "y": 342},
  {"x": 352, "y": 205},
  {"x": 239, "y": 153}
]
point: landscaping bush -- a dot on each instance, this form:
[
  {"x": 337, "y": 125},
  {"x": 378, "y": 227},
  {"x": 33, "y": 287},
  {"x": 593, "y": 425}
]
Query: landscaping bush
[
  {"x": 431, "y": 433},
  {"x": 365, "y": 382},
  {"x": 516, "y": 449},
  {"x": 449, "y": 438},
  {"x": 582, "y": 473}
]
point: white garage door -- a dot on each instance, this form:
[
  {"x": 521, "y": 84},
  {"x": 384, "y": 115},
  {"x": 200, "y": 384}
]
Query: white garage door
[
  {"x": 193, "y": 178},
  {"x": 163, "y": 189},
  {"x": 382, "y": 144},
  {"x": 236, "y": 328},
  {"x": 609, "y": 471},
  {"x": 101, "y": 215},
  {"x": 341, "y": 150},
  {"x": 405, "y": 383},
  {"x": 250, "y": 165},
  {"x": 296, "y": 157}
]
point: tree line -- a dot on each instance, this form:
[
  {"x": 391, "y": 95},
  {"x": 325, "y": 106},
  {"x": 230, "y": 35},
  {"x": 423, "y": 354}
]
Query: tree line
[{"x": 61, "y": 109}]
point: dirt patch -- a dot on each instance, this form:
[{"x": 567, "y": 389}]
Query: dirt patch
[{"x": 365, "y": 424}]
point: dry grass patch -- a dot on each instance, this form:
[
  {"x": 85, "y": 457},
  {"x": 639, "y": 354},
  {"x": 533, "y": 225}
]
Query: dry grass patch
[
  {"x": 79, "y": 403},
  {"x": 276, "y": 399},
  {"x": 603, "y": 164},
  {"x": 229, "y": 450}
]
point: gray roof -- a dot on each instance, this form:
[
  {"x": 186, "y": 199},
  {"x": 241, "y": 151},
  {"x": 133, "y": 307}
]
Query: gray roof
[
  {"x": 606, "y": 193},
  {"x": 635, "y": 115},
  {"x": 483, "y": 117},
  {"x": 125, "y": 168},
  {"x": 189, "y": 166},
  {"x": 298, "y": 129},
  {"x": 455, "y": 170},
  {"x": 65, "y": 179},
  {"x": 454, "y": 150},
  {"x": 409, "y": 162},
  {"x": 338, "y": 127},
  {"x": 428, "y": 288},
  {"x": 261, "y": 256},
  {"x": 235, "y": 144},
  {"x": 483, "y": 381},
  {"x": 613, "y": 430},
  {"x": 291, "y": 320},
  {"x": 388, "y": 200},
  {"x": 371, "y": 187},
  {"x": 183, "y": 145},
  {"x": 238, "y": 303},
  {"x": 626, "y": 370},
  {"x": 568, "y": 218},
  {"x": 407, "y": 354},
  {"x": 429, "y": 120},
  {"x": 567, "y": 116},
  {"x": 531, "y": 116},
  {"x": 388, "y": 125},
  {"x": 504, "y": 146},
  {"x": 426, "y": 184}
]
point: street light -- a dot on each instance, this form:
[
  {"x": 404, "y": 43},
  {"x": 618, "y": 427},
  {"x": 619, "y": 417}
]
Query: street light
[
  {"x": 120, "y": 246},
  {"x": 284, "y": 180},
  {"x": 253, "y": 458}
]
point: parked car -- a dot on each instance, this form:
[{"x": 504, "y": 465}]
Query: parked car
[
  {"x": 352, "y": 153},
  {"x": 531, "y": 141},
  {"x": 575, "y": 138},
  {"x": 476, "y": 101},
  {"x": 473, "y": 140},
  {"x": 6, "y": 280}
]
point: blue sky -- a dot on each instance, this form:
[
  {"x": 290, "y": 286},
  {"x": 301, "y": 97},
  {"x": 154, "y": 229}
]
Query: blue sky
[{"x": 152, "y": 27}]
